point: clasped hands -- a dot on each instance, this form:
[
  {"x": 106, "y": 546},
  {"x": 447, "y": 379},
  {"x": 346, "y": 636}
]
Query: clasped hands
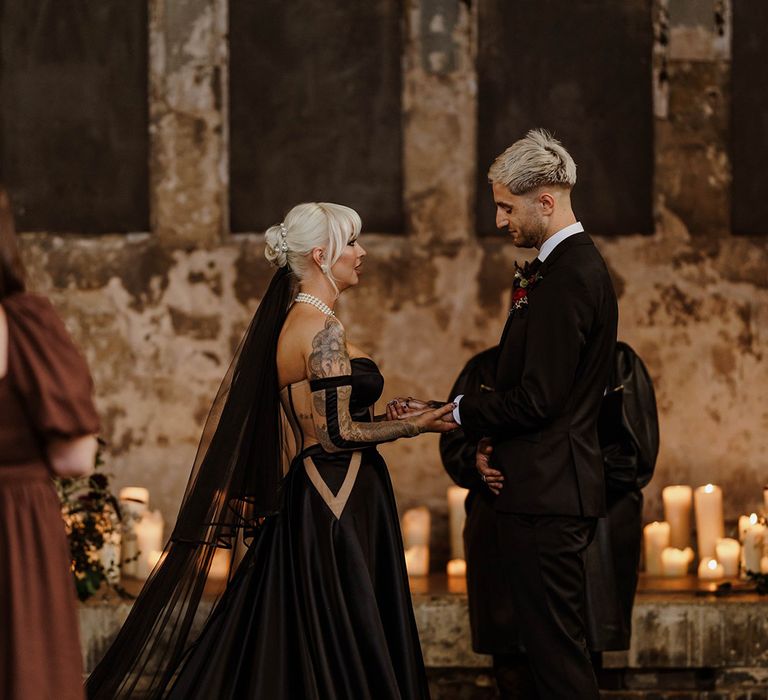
[{"x": 432, "y": 416}]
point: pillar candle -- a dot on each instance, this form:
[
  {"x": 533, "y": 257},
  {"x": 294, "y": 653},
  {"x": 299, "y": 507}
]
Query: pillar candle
[
  {"x": 110, "y": 554},
  {"x": 415, "y": 526},
  {"x": 149, "y": 538},
  {"x": 656, "y": 540},
  {"x": 219, "y": 570},
  {"x": 134, "y": 502},
  {"x": 675, "y": 562},
  {"x": 728, "y": 554},
  {"x": 765, "y": 500},
  {"x": 457, "y": 567},
  {"x": 457, "y": 515},
  {"x": 417, "y": 560},
  {"x": 677, "y": 512},
  {"x": 709, "y": 518},
  {"x": 710, "y": 569},
  {"x": 746, "y": 522},
  {"x": 753, "y": 547},
  {"x": 155, "y": 557},
  {"x": 764, "y": 565},
  {"x": 135, "y": 494}
]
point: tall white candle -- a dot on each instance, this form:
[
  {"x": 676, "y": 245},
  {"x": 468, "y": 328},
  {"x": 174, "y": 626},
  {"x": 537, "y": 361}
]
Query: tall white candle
[
  {"x": 415, "y": 526},
  {"x": 765, "y": 501},
  {"x": 417, "y": 560},
  {"x": 149, "y": 538},
  {"x": 710, "y": 569},
  {"x": 754, "y": 542},
  {"x": 678, "y": 501},
  {"x": 709, "y": 518},
  {"x": 728, "y": 554},
  {"x": 457, "y": 516},
  {"x": 675, "y": 562},
  {"x": 656, "y": 540}
]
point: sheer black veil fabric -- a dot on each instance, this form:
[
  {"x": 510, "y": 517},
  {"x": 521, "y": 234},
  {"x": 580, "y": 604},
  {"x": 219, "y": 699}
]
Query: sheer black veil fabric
[{"x": 235, "y": 481}]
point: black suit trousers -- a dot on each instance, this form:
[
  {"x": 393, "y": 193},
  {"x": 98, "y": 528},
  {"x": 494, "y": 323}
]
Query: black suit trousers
[{"x": 544, "y": 558}]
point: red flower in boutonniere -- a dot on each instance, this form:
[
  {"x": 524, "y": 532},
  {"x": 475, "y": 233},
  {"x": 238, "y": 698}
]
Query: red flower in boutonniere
[{"x": 526, "y": 277}]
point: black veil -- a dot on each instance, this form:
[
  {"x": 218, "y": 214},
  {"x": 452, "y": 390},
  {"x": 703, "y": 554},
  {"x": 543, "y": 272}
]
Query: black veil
[{"x": 235, "y": 481}]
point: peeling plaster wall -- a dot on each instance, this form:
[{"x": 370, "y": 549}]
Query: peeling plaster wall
[{"x": 159, "y": 314}]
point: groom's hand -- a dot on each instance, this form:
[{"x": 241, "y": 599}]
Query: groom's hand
[{"x": 493, "y": 478}]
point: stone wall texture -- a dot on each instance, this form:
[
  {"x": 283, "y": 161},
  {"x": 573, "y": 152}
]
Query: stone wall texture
[{"x": 159, "y": 313}]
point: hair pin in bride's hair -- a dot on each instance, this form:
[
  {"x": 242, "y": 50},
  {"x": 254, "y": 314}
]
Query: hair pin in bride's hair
[{"x": 283, "y": 234}]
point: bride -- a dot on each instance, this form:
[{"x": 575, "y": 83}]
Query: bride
[{"x": 319, "y": 605}]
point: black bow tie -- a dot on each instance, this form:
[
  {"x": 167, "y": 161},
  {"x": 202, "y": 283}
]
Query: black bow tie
[{"x": 530, "y": 268}]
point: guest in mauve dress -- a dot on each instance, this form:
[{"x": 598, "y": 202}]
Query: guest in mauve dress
[{"x": 47, "y": 426}]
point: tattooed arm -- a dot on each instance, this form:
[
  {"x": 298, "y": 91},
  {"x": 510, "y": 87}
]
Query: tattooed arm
[{"x": 329, "y": 370}]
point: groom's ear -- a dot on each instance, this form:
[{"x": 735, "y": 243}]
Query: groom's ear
[{"x": 547, "y": 203}]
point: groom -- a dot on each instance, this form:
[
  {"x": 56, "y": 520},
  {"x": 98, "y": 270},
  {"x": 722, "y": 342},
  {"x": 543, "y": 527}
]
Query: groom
[{"x": 539, "y": 454}]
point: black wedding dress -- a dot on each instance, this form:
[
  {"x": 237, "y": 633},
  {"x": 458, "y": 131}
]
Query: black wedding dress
[{"x": 319, "y": 607}]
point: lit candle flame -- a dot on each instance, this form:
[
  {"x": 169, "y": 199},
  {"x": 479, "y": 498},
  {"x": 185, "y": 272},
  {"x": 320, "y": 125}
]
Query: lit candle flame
[
  {"x": 712, "y": 564},
  {"x": 753, "y": 519},
  {"x": 709, "y": 488}
]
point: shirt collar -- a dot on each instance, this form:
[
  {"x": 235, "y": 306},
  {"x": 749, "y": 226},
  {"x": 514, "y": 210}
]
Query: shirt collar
[{"x": 553, "y": 241}]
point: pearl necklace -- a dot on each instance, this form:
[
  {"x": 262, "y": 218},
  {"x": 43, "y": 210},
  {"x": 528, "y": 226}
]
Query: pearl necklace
[{"x": 319, "y": 304}]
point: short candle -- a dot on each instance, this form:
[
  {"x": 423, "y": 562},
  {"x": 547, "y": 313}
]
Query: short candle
[
  {"x": 710, "y": 569},
  {"x": 457, "y": 567},
  {"x": 675, "y": 562},
  {"x": 746, "y": 522},
  {"x": 728, "y": 554}
]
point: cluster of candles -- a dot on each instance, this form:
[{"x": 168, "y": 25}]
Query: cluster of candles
[
  {"x": 667, "y": 544},
  {"x": 416, "y": 524},
  {"x": 142, "y": 538}
]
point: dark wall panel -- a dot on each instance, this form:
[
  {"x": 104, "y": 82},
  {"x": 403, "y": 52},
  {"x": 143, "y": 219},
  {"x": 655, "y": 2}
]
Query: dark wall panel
[
  {"x": 749, "y": 117},
  {"x": 583, "y": 71},
  {"x": 73, "y": 114},
  {"x": 315, "y": 105}
]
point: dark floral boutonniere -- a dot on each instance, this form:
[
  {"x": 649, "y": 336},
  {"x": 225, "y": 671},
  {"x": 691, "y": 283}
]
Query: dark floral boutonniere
[{"x": 526, "y": 278}]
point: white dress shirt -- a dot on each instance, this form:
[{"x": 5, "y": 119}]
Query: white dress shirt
[{"x": 546, "y": 248}]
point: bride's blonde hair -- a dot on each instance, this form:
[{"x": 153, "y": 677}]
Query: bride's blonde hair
[{"x": 307, "y": 226}]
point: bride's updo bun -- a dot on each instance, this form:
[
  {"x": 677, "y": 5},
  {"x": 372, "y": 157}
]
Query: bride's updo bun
[
  {"x": 276, "y": 249},
  {"x": 309, "y": 226}
]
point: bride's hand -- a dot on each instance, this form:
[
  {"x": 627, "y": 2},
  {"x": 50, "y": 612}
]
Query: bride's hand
[
  {"x": 435, "y": 420},
  {"x": 410, "y": 407}
]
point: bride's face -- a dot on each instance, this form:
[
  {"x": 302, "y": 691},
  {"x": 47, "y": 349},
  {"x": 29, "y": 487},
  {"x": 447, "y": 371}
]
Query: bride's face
[{"x": 347, "y": 269}]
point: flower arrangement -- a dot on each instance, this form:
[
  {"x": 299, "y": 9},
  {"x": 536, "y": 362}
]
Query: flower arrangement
[
  {"x": 92, "y": 521},
  {"x": 525, "y": 279}
]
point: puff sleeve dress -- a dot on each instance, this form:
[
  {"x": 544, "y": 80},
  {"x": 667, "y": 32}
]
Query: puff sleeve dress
[{"x": 46, "y": 393}]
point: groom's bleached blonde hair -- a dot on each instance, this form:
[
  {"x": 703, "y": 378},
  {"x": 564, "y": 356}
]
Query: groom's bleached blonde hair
[{"x": 535, "y": 160}]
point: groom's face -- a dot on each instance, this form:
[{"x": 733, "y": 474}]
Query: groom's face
[{"x": 518, "y": 214}]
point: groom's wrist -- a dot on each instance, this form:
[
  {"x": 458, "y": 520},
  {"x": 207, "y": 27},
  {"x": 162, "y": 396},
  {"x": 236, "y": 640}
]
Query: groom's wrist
[{"x": 456, "y": 414}]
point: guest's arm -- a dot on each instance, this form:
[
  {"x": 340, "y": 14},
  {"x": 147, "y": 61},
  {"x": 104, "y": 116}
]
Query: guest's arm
[{"x": 72, "y": 457}]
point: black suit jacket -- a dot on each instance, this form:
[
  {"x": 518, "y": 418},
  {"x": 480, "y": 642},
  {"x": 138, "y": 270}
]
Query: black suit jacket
[{"x": 555, "y": 359}]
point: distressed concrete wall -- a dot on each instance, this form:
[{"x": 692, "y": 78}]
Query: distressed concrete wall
[{"x": 158, "y": 314}]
